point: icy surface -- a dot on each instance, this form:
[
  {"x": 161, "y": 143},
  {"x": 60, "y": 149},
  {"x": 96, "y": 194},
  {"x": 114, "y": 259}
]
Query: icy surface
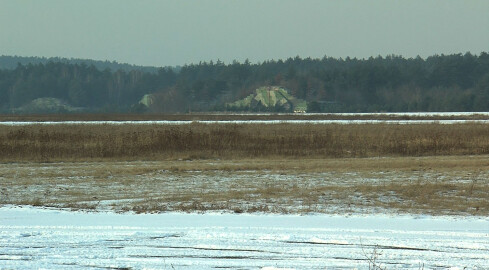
[{"x": 32, "y": 238}]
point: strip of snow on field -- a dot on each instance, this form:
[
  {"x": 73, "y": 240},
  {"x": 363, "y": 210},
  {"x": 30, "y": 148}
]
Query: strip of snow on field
[{"x": 235, "y": 122}]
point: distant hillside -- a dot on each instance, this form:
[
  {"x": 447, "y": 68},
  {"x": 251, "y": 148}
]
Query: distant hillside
[
  {"x": 270, "y": 98},
  {"x": 11, "y": 62}
]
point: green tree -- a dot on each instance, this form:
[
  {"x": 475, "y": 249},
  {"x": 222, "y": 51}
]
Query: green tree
[{"x": 78, "y": 96}]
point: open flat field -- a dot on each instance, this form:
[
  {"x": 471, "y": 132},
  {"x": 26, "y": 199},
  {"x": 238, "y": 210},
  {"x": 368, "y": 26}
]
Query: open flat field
[
  {"x": 423, "y": 185},
  {"x": 402, "y": 196},
  {"x": 279, "y": 168},
  {"x": 248, "y": 116},
  {"x": 56, "y": 239}
]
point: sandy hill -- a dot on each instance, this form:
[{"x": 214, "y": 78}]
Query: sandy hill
[{"x": 270, "y": 98}]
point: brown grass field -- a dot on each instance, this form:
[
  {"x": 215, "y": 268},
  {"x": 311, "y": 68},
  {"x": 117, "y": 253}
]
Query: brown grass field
[
  {"x": 281, "y": 168},
  {"x": 49, "y": 143},
  {"x": 418, "y": 185}
]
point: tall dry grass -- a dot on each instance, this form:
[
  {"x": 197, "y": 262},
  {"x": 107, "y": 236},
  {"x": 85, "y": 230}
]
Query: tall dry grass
[{"x": 202, "y": 141}]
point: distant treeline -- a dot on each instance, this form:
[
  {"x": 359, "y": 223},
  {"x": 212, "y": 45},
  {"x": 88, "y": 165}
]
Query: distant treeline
[
  {"x": 11, "y": 62},
  {"x": 458, "y": 82}
]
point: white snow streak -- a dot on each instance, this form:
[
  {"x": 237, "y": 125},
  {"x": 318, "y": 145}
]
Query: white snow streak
[{"x": 236, "y": 122}]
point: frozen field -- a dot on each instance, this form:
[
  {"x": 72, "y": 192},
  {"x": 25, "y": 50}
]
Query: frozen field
[
  {"x": 34, "y": 238},
  {"x": 397, "y": 118},
  {"x": 317, "y": 122}
]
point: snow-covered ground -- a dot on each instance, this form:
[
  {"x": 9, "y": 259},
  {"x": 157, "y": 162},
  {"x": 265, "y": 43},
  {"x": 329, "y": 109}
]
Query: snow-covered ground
[
  {"x": 35, "y": 238},
  {"x": 343, "y": 122},
  {"x": 339, "y": 122},
  {"x": 410, "y": 113}
]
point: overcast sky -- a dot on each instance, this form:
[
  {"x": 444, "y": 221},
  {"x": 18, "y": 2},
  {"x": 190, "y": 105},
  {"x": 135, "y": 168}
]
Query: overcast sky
[{"x": 163, "y": 33}]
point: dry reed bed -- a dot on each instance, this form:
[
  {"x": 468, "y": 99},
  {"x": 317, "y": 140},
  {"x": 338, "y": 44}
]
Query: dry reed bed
[{"x": 238, "y": 141}]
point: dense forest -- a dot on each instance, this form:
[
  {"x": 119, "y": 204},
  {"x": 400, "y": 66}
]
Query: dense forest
[
  {"x": 11, "y": 62},
  {"x": 458, "y": 82}
]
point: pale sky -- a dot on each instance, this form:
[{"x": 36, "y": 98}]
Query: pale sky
[{"x": 167, "y": 33}]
